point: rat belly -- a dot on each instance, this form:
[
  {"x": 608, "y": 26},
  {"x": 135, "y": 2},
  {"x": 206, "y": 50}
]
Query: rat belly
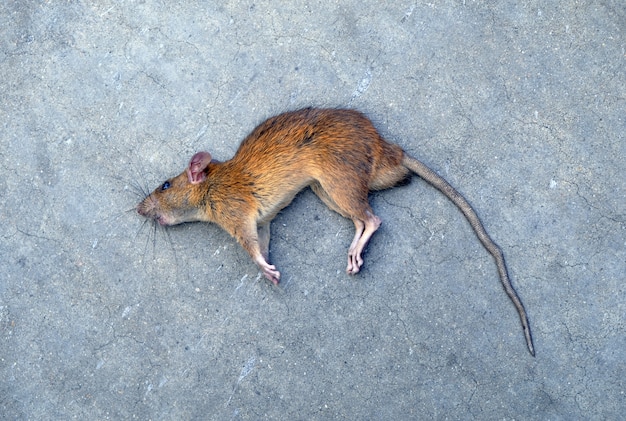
[{"x": 272, "y": 201}]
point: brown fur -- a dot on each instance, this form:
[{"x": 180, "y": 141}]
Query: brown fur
[{"x": 338, "y": 153}]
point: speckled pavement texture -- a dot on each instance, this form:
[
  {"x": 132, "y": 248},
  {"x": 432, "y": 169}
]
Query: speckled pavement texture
[{"x": 520, "y": 105}]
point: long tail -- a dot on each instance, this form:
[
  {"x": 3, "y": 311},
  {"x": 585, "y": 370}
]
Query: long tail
[{"x": 433, "y": 178}]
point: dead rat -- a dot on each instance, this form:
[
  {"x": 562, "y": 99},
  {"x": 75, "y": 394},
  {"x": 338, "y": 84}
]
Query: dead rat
[{"x": 336, "y": 152}]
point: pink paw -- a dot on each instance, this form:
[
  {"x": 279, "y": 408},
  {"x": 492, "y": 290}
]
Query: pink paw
[
  {"x": 272, "y": 274},
  {"x": 354, "y": 264}
]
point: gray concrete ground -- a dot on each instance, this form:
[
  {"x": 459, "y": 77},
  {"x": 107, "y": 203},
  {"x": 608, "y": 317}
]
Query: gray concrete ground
[{"x": 520, "y": 105}]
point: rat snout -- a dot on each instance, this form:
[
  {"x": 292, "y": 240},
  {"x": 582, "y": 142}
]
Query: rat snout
[
  {"x": 149, "y": 208},
  {"x": 146, "y": 208},
  {"x": 141, "y": 209}
]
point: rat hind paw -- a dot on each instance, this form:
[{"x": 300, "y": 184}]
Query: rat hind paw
[{"x": 355, "y": 261}]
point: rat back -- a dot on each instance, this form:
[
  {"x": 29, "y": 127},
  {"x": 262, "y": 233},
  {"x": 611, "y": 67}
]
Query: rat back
[{"x": 337, "y": 151}]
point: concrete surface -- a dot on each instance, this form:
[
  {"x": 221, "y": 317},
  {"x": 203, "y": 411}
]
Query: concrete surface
[{"x": 520, "y": 105}]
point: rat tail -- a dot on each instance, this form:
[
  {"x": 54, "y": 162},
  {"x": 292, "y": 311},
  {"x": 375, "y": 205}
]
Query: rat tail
[{"x": 437, "y": 181}]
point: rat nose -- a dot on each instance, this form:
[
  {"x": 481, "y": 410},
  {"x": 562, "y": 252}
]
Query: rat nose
[
  {"x": 140, "y": 210},
  {"x": 143, "y": 208}
]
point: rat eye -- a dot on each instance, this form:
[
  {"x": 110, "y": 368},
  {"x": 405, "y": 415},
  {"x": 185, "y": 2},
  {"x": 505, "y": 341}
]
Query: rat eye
[{"x": 165, "y": 186}]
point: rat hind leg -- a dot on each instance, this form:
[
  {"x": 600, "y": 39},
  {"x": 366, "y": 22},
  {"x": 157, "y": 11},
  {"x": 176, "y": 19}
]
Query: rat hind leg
[
  {"x": 321, "y": 193},
  {"x": 353, "y": 204},
  {"x": 364, "y": 229}
]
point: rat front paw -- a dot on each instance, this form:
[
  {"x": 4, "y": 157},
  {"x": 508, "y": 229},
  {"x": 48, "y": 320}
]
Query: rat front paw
[{"x": 270, "y": 272}]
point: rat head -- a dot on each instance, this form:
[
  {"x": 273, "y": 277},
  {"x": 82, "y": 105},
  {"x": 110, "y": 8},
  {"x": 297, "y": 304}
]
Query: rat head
[{"x": 179, "y": 199}]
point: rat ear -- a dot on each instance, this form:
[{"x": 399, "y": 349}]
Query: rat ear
[{"x": 197, "y": 165}]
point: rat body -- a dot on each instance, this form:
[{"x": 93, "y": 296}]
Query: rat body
[{"x": 336, "y": 152}]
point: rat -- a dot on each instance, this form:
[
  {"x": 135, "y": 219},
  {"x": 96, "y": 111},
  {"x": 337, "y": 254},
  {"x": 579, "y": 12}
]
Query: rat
[{"x": 338, "y": 153}]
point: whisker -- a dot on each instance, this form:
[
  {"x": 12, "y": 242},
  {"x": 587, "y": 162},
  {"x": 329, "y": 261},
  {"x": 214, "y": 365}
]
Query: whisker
[
  {"x": 147, "y": 242},
  {"x": 168, "y": 237},
  {"x": 141, "y": 227},
  {"x": 154, "y": 239},
  {"x": 139, "y": 190},
  {"x": 170, "y": 242}
]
